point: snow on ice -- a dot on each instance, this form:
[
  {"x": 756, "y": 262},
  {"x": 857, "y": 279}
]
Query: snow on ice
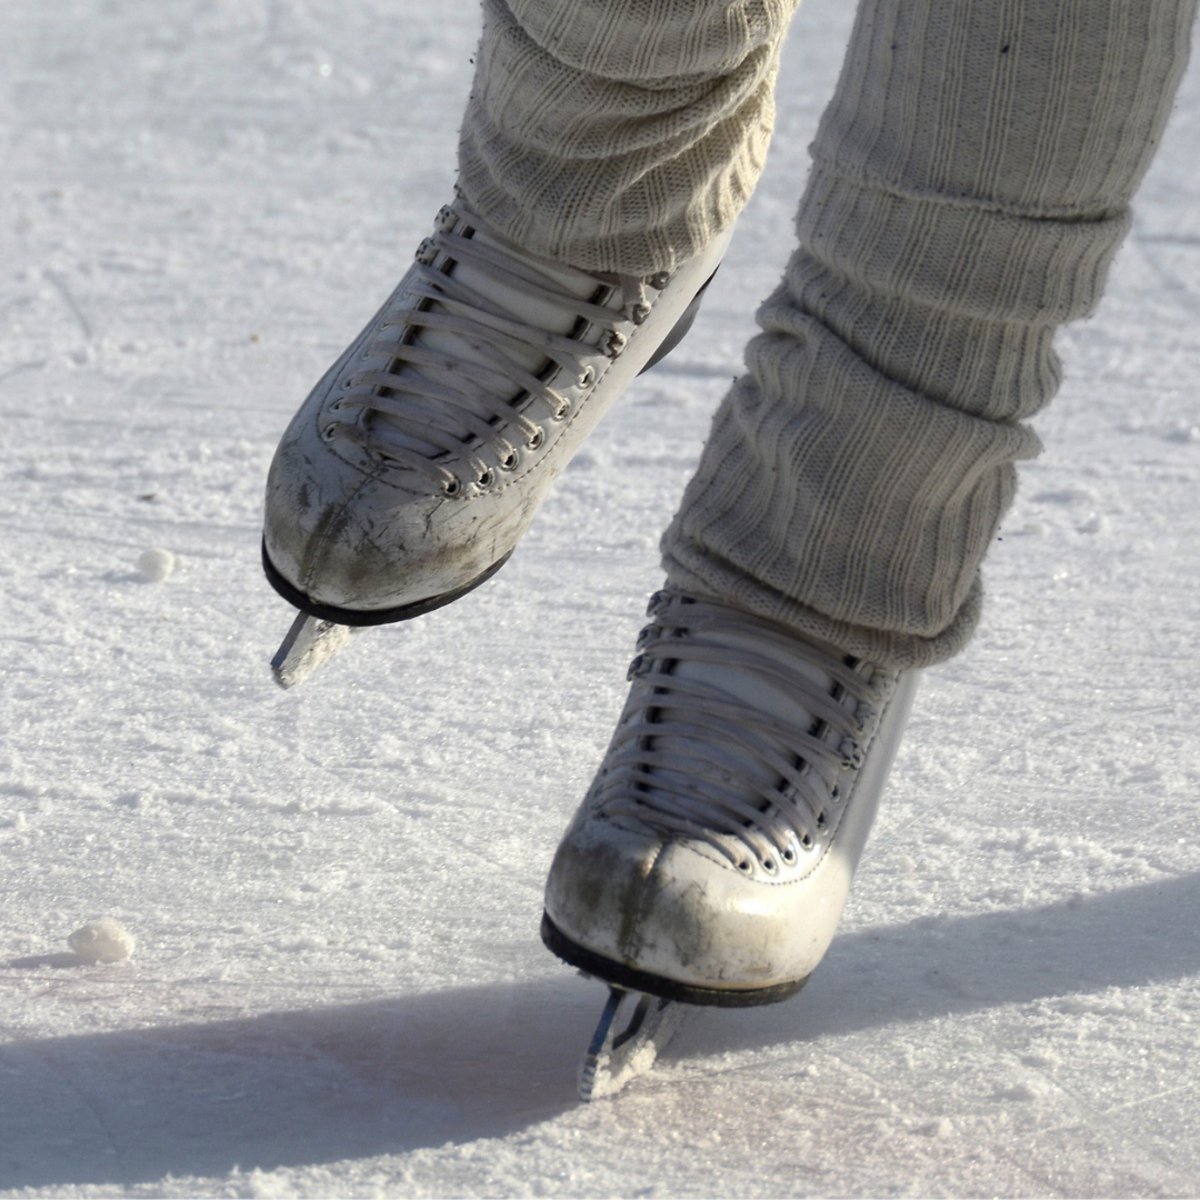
[
  {"x": 339, "y": 987},
  {"x": 103, "y": 940},
  {"x": 156, "y": 565}
]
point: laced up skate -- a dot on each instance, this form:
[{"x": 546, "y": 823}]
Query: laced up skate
[
  {"x": 711, "y": 859},
  {"x": 420, "y": 459}
]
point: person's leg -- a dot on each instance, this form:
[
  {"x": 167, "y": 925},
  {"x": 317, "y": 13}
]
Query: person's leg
[
  {"x": 606, "y": 150},
  {"x": 621, "y": 135},
  {"x": 971, "y": 182}
]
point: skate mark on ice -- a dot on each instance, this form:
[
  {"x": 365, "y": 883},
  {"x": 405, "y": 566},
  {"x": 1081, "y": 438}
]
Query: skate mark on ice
[
  {"x": 1172, "y": 280},
  {"x": 21, "y": 368},
  {"x": 68, "y": 298}
]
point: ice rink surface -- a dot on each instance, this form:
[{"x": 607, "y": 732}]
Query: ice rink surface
[{"x": 338, "y": 987}]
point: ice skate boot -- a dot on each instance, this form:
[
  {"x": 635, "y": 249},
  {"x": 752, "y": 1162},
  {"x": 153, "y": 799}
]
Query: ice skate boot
[
  {"x": 711, "y": 859},
  {"x": 420, "y": 459}
]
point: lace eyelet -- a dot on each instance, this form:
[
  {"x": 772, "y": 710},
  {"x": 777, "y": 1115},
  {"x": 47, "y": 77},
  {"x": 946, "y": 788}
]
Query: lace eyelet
[
  {"x": 452, "y": 488},
  {"x": 562, "y": 412},
  {"x": 745, "y": 867},
  {"x": 807, "y": 841},
  {"x": 769, "y": 865},
  {"x": 329, "y": 433},
  {"x": 614, "y": 344},
  {"x": 509, "y": 461},
  {"x": 536, "y": 440},
  {"x": 835, "y": 794},
  {"x": 789, "y": 857},
  {"x": 853, "y": 755},
  {"x": 587, "y": 378},
  {"x": 485, "y": 479},
  {"x": 658, "y": 601},
  {"x": 659, "y": 280}
]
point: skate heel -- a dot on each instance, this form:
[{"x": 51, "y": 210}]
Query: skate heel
[{"x": 682, "y": 326}]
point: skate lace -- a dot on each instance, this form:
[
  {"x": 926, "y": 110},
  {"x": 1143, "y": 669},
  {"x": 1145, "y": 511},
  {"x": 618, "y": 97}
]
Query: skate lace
[
  {"x": 479, "y": 381},
  {"x": 692, "y": 757}
]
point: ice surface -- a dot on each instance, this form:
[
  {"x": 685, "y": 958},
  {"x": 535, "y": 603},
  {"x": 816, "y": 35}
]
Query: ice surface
[{"x": 339, "y": 987}]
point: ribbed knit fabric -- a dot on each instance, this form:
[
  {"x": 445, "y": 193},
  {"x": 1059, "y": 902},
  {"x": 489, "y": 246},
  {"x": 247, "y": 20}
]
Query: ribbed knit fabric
[
  {"x": 970, "y": 185},
  {"x": 619, "y": 135}
]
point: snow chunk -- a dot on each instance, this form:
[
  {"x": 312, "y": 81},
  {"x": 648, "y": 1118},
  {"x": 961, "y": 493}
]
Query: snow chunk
[
  {"x": 103, "y": 940},
  {"x": 155, "y": 565}
]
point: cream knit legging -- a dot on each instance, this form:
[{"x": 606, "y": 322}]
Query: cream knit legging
[{"x": 971, "y": 182}]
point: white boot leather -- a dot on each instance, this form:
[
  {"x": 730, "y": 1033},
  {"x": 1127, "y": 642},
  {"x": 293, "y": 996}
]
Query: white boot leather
[
  {"x": 420, "y": 459},
  {"x": 712, "y": 857}
]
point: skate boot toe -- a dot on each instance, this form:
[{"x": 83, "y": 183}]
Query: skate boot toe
[
  {"x": 358, "y": 549},
  {"x": 673, "y": 919}
]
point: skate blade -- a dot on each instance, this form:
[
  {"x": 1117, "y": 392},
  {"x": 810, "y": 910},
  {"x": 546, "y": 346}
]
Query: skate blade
[
  {"x": 617, "y": 1055},
  {"x": 310, "y": 643}
]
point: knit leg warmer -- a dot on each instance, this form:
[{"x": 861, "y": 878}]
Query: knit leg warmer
[
  {"x": 619, "y": 135},
  {"x": 971, "y": 182}
]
